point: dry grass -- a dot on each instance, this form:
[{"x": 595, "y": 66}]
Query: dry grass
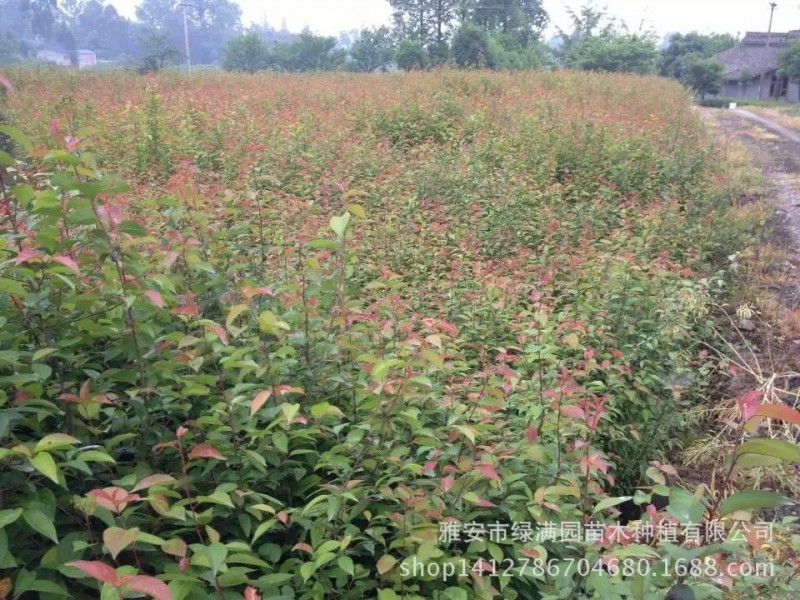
[
  {"x": 788, "y": 116},
  {"x": 766, "y": 358}
]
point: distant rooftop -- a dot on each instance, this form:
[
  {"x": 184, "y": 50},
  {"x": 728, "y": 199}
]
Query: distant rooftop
[{"x": 752, "y": 56}]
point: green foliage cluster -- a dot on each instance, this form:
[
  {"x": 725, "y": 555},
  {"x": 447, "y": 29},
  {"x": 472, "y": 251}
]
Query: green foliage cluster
[
  {"x": 455, "y": 301},
  {"x": 790, "y": 62}
]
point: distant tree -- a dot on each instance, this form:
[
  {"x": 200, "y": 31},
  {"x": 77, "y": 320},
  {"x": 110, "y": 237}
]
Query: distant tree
[
  {"x": 270, "y": 35},
  {"x": 308, "y": 52},
  {"x": 522, "y": 19},
  {"x": 101, "y": 28},
  {"x": 211, "y": 24},
  {"x": 9, "y": 51},
  {"x": 683, "y": 45},
  {"x": 472, "y": 48},
  {"x": 429, "y": 21},
  {"x": 614, "y": 52},
  {"x": 373, "y": 49},
  {"x": 790, "y": 62},
  {"x": 703, "y": 75},
  {"x": 157, "y": 52},
  {"x": 410, "y": 55},
  {"x": 246, "y": 52}
]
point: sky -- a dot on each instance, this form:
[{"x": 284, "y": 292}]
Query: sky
[{"x": 329, "y": 17}]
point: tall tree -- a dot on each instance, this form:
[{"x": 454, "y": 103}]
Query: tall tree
[
  {"x": 680, "y": 46},
  {"x": 98, "y": 26},
  {"x": 429, "y": 21},
  {"x": 211, "y": 24},
  {"x": 522, "y": 19},
  {"x": 246, "y": 52},
  {"x": 373, "y": 49}
]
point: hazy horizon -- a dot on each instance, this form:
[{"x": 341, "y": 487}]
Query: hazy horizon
[{"x": 330, "y": 17}]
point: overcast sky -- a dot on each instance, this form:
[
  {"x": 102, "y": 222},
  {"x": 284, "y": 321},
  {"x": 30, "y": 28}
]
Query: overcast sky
[{"x": 329, "y": 17}]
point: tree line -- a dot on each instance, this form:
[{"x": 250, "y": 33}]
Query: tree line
[{"x": 494, "y": 34}]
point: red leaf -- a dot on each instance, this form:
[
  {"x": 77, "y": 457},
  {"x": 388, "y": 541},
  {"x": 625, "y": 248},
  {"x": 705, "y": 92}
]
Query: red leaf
[
  {"x": 430, "y": 465},
  {"x": 447, "y": 483},
  {"x": 67, "y": 262},
  {"x": 748, "y": 403},
  {"x": 251, "y": 593},
  {"x": 532, "y": 434},
  {"x": 190, "y": 310},
  {"x": 484, "y": 503},
  {"x": 259, "y": 400},
  {"x": 206, "y": 451},
  {"x": 779, "y": 411},
  {"x": 6, "y": 84},
  {"x": 487, "y": 470},
  {"x": 96, "y": 570},
  {"x": 150, "y": 586},
  {"x": 26, "y": 255},
  {"x": 219, "y": 331},
  {"x": 155, "y": 298},
  {"x": 181, "y": 431},
  {"x": 576, "y": 412},
  {"x": 303, "y": 546},
  {"x": 283, "y": 516},
  {"x": 151, "y": 480}
]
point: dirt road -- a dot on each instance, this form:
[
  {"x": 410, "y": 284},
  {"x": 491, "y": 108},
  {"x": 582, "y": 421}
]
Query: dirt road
[{"x": 776, "y": 152}]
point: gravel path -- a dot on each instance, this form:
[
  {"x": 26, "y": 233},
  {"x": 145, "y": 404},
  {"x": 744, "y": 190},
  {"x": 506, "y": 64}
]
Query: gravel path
[{"x": 776, "y": 152}]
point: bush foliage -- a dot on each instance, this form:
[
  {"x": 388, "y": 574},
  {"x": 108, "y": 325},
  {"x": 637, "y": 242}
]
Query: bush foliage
[{"x": 328, "y": 315}]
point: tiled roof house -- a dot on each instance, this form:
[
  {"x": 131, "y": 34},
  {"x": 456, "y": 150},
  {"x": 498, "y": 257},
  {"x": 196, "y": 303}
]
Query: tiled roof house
[{"x": 752, "y": 67}]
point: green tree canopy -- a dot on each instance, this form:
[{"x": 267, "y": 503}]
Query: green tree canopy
[
  {"x": 410, "y": 55},
  {"x": 703, "y": 75},
  {"x": 472, "y": 48},
  {"x": 522, "y": 19},
  {"x": 615, "y": 53},
  {"x": 374, "y": 49},
  {"x": 790, "y": 62},
  {"x": 682, "y": 45},
  {"x": 308, "y": 52},
  {"x": 246, "y": 52}
]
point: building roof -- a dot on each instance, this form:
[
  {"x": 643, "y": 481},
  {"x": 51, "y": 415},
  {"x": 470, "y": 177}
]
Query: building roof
[{"x": 753, "y": 56}]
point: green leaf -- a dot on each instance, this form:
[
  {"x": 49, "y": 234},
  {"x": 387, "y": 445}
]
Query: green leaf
[
  {"x": 385, "y": 563},
  {"x": 339, "y": 224},
  {"x": 6, "y": 160},
  {"x": 234, "y": 313},
  {"x": 289, "y": 412},
  {"x": 63, "y": 156},
  {"x": 7, "y": 517},
  {"x": 387, "y": 594},
  {"x": 9, "y": 286},
  {"x": 117, "y": 539},
  {"x": 307, "y": 570},
  {"x": 40, "y": 523},
  {"x": 752, "y": 500},
  {"x": 609, "y": 502},
  {"x": 132, "y": 228},
  {"x": 323, "y": 244},
  {"x": 217, "y": 553},
  {"x": 455, "y": 593},
  {"x": 44, "y": 463},
  {"x": 684, "y": 506},
  {"x": 324, "y": 409},
  {"x": 55, "y": 441},
  {"x": 95, "y": 456},
  {"x": 345, "y": 563},
  {"x": 19, "y": 137},
  {"x": 776, "y": 448},
  {"x": 381, "y": 369}
]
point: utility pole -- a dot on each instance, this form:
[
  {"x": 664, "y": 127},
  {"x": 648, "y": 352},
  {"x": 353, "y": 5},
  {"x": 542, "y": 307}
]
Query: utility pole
[
  {"x": 772, "y": 7},
  {"x": 186, "y": 5}
]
